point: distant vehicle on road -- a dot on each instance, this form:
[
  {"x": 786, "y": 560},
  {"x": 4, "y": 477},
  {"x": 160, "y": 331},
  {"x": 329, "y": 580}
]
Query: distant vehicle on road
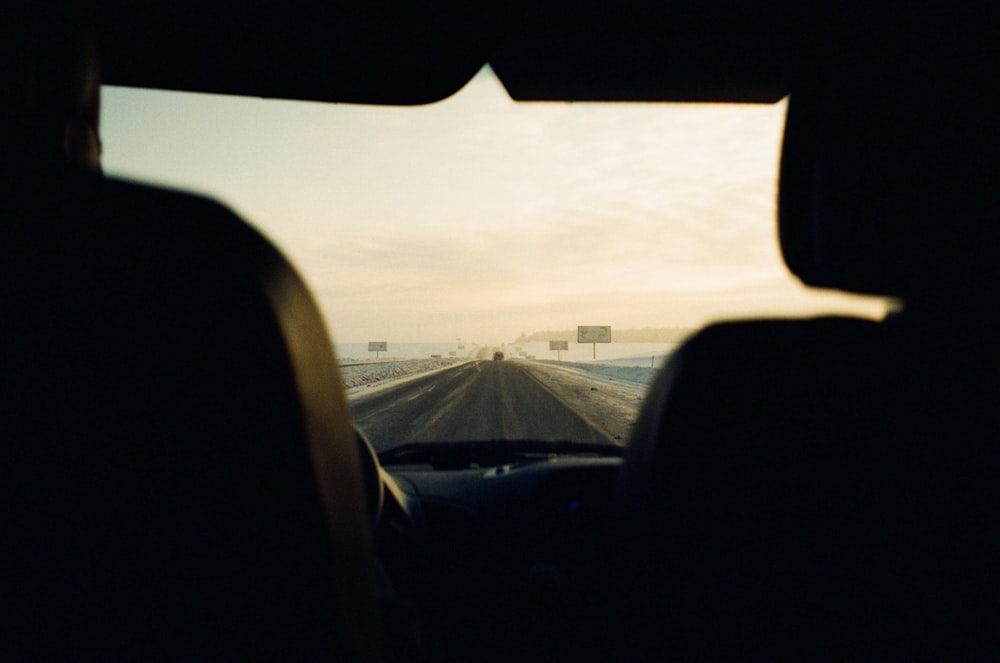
[{"x": 497, "y": 356}]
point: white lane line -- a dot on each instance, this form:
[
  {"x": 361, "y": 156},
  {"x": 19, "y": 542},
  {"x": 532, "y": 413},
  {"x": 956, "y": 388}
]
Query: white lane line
[{"x": 421, "y": 393}]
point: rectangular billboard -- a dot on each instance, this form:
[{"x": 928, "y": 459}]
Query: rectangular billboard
[
  {"x": 593, "y": 334},
  {"x": 558, "y": 345},
  {"x": 378, "y": 346}
]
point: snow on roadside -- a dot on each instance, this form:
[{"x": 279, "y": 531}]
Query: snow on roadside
[
  {"x": 368, "y": 374},
  {"x": 641, "y": 376}
]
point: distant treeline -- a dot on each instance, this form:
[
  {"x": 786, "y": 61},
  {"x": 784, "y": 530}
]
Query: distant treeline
[{"x": 645, "y": 335}]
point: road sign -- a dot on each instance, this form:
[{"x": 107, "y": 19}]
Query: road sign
[
  {"x": 558, "y": 345},
  {"x": 593, "y": 334},
  {"x": 452, "y": 353},
  {"x": 378, "y": 346}
]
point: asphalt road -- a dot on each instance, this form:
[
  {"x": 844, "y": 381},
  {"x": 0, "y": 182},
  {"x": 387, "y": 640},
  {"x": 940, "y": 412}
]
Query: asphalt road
[{"x": 475, "y": 401}]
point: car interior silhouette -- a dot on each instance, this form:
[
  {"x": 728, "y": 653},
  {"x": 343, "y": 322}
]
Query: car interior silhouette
[{"x": 184, "y": 479}]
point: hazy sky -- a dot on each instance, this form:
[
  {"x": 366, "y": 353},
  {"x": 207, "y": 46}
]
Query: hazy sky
[{"x": 479, "y": 218}]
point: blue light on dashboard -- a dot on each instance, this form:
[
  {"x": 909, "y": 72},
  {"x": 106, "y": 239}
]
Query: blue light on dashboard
[{"x": 573, "y": 506}]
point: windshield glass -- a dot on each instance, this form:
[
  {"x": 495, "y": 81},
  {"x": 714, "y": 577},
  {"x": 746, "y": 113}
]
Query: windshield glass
[{"x": 493, "y": 270}]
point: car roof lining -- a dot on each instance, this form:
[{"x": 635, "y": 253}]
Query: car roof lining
[
  {"x": 401, "y": 52},
  {"x": 409, "y": 52}
]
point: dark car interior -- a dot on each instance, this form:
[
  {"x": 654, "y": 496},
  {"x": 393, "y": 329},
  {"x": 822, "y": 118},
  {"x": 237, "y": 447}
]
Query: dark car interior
[{"x": 183, "y": 481}]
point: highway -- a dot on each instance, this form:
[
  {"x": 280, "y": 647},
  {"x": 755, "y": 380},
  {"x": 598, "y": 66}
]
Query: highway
[{"x": 492, "y": 400}]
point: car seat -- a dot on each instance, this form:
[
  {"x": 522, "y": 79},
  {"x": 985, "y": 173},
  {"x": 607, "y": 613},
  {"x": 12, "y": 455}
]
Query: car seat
[
  {"x": 181, "y": 479},
  {"x": 826, "y": 488}
]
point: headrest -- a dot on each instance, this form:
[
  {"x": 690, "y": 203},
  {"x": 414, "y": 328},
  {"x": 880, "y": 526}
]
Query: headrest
[{"x": 888, "y": 179}]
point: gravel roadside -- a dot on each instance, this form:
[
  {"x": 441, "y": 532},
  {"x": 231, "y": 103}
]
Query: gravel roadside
[{"x": 609, "y": 399}]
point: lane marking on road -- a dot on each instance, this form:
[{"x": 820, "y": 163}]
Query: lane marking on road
[
  {"x": 421, "y": 393},
  {"x": 364, "y": 392}
]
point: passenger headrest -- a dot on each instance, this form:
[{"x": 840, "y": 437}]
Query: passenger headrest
[{"x": 889, "y": 170}]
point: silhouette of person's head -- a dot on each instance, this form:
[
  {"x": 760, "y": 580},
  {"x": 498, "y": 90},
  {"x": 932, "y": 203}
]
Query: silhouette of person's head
[{"x": 51, "y": 88}]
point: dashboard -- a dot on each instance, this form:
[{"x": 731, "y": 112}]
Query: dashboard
[{"x": 499, "y": 554}]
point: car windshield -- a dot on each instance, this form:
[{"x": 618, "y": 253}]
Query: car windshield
[{"x": 493, "y": 270}]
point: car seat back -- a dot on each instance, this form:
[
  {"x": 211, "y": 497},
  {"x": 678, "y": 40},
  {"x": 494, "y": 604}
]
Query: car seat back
[
  {"x": 824, "y": 488},
  {"x": 181, "y": 477}
]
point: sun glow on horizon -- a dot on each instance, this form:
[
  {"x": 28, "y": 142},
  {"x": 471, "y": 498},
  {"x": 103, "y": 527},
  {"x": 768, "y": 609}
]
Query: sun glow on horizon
[{"x": 479, "y": 217}]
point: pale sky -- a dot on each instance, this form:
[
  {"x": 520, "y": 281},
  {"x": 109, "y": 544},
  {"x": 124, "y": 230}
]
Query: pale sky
[{"x": 477, "y": 217}]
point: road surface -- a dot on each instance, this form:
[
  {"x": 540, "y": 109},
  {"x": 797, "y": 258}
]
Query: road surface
[{"x": 492, "y": 400}]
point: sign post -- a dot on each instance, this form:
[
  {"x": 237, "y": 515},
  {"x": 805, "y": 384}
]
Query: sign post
[
  {"x": 377, "y": 347},
  {"x": 558, "y": 346},
  {"x": 593, "y": 334}
]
